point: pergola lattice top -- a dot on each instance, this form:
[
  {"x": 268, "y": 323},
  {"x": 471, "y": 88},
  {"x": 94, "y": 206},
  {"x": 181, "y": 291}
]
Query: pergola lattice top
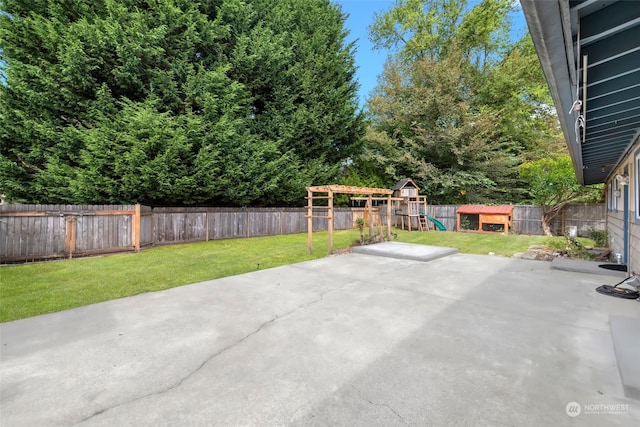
[
  {"x": 341, "y": 189},
  {"x": 347, "y": 189}
]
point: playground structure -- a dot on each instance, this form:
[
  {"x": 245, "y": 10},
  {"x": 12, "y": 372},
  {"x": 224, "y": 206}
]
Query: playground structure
[
  {"x": 327, "y": 192},
  {"x": 411, "y": 208},
  {"x": 485, "y": 219},
  {"x": 403, "y": 202}
]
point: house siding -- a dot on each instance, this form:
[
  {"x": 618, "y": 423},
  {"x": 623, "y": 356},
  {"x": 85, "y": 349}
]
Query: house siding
[
  {"x": 615, "y": 230},
  {"x": 634, "y": 226},
  {"x": 634, "y": 250},
  {"x": 615, "y": 218}
]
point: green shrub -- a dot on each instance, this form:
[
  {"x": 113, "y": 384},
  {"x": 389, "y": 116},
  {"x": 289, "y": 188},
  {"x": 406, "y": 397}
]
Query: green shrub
[{"x": 599, "y": 237}]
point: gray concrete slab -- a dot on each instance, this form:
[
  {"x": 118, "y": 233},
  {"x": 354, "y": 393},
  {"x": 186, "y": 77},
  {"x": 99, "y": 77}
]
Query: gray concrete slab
[
  {"x": 401, "y": 250},
  {"x": 344, "y": 340},
  {"x": 584, "y": 266},
  {"x": 625, "y": 332}
]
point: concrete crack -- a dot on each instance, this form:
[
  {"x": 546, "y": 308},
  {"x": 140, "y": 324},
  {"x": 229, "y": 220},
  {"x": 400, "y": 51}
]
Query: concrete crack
[
  {"x": 179, "y": 383},
  {"x": 216, "y": 354},
  {"x": 384, "y": 405}
]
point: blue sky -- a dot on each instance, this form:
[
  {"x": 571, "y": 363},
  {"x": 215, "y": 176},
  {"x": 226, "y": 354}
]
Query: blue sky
[{"x": 369, "y": 61}]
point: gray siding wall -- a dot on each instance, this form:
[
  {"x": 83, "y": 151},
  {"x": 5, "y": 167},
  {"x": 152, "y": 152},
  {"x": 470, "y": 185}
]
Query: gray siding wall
[
  {"x": 615, "y": 230},
  {"x": 634, "y": 248}
]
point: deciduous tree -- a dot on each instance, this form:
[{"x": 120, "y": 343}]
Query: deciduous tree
[
  {"x": 424, "y": 127},
  {"x": 553, "y": 184},
  {"x": 459, "y": 105}
]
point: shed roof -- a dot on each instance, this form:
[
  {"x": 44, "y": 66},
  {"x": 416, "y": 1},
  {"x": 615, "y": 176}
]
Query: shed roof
[
  {"x": 403, "y": 183},
  {"x": 482, "y": 209}
]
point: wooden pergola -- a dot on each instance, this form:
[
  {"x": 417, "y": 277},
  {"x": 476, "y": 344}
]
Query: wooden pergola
[{"x": 327, "y": 192}]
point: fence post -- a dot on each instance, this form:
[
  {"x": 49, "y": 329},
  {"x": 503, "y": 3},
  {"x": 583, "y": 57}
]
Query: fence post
[
  {"x": 206, "y": 225},
  {"x": 70, "y": 234},
  {"x": 135, "y": 229},
  {"x": 153, "y": 227}
]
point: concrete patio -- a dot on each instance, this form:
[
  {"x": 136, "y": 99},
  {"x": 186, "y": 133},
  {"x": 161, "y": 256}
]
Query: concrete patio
[{"x": 345, "y": 340}]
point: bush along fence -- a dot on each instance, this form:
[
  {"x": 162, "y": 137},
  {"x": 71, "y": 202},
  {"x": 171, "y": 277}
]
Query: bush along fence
[{"x": 36, "y": 232}]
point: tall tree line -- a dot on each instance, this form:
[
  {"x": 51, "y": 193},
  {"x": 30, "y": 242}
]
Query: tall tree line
[
  {"x": 227, "y": 102},
  {"x": 460, "y": 105}
]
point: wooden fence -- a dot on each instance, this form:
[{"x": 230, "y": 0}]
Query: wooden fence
[
  {"x": 173, "y": 225},
  {"x": 527, "y": 218},
  {"x": 53, "y": 231},
  {"x": 33, "y": 232}
]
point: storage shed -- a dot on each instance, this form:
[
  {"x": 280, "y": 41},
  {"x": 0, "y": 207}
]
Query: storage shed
[{"x": 487, "y": 219}]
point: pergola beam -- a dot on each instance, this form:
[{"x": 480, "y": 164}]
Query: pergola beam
[
  {"x": 348, "y": 189},
  {"x": 342, "y": 189}
]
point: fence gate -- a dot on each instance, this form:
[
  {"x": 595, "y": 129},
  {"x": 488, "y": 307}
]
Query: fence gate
[{"x": 29, "y": 232}]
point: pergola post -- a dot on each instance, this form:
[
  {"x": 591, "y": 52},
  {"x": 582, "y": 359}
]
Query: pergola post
[
  {"x": 330, "y": 225},
  {"x": 342, "y": 189},
  {"x": 370, "y": 214},
  {"x": 389, "y": 215},
  {"x": 309, "y": 221}
]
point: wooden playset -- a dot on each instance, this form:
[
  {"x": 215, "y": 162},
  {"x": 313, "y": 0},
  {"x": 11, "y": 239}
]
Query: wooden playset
[
  {"x": 411, "y": 208},
  {"x": 403, "y": 203}
]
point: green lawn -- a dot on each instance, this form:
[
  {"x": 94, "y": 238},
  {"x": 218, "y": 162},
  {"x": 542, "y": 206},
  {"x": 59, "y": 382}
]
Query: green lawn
[
  {"x": 483, "y": 243},
  {"x": 32, "y": 289}
]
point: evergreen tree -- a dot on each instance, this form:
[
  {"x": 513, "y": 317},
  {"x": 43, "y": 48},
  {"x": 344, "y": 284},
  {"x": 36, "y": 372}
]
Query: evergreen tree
[{"x": 174, "y": 101}]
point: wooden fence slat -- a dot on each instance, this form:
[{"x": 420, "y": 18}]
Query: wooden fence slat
[{"x": 38, "y": 231}]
